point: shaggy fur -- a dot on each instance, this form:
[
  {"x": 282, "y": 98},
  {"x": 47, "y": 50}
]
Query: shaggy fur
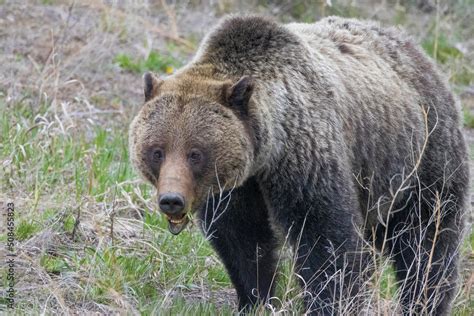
[{"x": 331, "y": 120}]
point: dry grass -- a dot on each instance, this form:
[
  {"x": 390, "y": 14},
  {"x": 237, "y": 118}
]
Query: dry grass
[{"x": 88, "y": 239}]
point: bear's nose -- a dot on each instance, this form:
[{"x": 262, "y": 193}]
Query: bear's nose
[{"x": 171, "y": 203}]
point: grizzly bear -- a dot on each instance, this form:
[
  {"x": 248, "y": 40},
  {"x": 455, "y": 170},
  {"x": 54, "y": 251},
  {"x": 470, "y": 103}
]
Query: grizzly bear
[{"x": 334, "y": 135}]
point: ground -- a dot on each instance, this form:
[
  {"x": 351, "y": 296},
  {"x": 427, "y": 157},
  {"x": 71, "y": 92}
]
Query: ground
[{"x": 88, "y": 237}]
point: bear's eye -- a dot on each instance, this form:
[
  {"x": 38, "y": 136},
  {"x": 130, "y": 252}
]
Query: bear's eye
[
  {"x": 158, "y": 155},
  {"x": 195, "y": 156}
]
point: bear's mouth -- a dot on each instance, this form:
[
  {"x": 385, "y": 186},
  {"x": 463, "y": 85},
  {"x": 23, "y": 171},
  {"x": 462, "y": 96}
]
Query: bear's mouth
[{"x": 177, "y": 223}]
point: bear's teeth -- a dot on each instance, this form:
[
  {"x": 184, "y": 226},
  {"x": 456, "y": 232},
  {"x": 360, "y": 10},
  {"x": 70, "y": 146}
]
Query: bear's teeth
[{"x": 176, "y": 221}]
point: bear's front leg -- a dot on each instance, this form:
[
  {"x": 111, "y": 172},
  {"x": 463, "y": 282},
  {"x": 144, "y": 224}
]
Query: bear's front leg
[
  {"x": 322, "y": 220},
  {"x": 240, "y": 232},
  {"x": 331, "y": 269}
]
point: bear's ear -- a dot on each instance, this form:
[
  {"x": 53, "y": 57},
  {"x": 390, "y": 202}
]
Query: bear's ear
[
  {"x": 151, "y": 85},
  {"x": 238, "y": 95}
]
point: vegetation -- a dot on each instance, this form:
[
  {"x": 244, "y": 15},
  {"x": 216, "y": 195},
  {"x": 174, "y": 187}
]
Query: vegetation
[{"x": 154, "y": 62}]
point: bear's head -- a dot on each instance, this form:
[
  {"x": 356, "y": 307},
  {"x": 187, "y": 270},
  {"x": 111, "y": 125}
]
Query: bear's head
[{"x": 192, "y": 139}]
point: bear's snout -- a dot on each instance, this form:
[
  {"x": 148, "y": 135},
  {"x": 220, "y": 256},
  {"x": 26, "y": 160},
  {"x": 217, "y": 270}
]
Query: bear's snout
[
  {"x": 171, "y": 203},
  {"x": 175, "y": 192}
]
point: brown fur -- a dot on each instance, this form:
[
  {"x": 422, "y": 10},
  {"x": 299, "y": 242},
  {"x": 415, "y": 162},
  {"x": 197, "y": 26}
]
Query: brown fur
[{"x": 316, "y": 126}]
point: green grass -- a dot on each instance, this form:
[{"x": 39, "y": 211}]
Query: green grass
[
  {"x": 450, "y": 58},
  {"x": 154, "y": 62},
  {"x": 54, "y": 265},
  {"x": 468, "y": 118},
  {"x": 441, "y": 49},
  {"x": 388, "y": 282},
  {"x": 68, "y": 223},
  {"x": 25, "y": 229}
]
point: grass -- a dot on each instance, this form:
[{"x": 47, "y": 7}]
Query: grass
[
  {"x": 154, "y": 62},
  {"x": 441, "y": 49},
  {"x": 25, "y": 229},
  {"x": 468, "y": 118},
  {"x": 444, "y": 51}
]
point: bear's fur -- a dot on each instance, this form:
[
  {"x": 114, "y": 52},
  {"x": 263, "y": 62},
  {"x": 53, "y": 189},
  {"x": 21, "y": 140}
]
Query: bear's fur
[{"x": 320, "y": 132}]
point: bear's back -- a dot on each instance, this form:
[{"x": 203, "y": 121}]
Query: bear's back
[
  {"x": 364, "y": 49},
  {"x": 352, "y": 37}
]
